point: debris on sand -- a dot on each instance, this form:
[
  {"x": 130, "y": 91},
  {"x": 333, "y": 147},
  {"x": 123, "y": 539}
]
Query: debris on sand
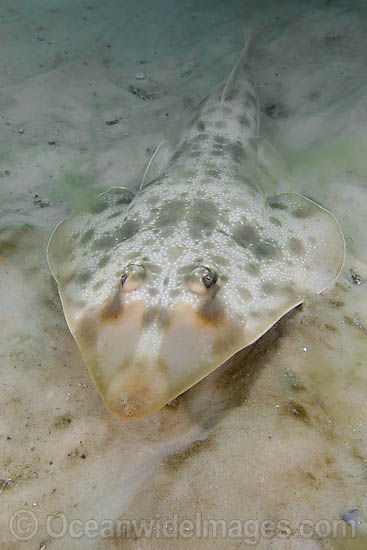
[
  {"x": 354, "y": 277},
  {"x": 144, "y": 94}
]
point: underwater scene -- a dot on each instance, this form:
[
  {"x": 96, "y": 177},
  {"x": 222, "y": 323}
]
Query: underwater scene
[{"x": 183, "y": 275}]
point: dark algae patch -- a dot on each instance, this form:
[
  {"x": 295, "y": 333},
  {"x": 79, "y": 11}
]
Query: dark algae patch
[{"x": 175, "y": 460}]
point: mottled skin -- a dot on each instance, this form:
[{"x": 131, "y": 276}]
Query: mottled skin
[{"x": 160, "y": 289}]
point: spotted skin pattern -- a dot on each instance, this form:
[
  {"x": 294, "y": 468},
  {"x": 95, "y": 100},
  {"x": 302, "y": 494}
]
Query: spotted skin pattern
[{"x": 131, "y": 270}]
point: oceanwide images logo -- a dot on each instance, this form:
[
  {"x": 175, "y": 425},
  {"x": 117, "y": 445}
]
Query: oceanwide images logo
[{"x": 24, "y": 525}]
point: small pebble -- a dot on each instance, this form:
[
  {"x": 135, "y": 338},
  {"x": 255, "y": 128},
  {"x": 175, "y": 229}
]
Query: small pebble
[
  {"x": 20, "y": 130},
  {"x": 140, "y": 75},
  {"x": 304, "y": 349},
  {"x": 354, "y": 277},
  {"x": 357, "y": 321},
  {"x": 351, "y": 517}
]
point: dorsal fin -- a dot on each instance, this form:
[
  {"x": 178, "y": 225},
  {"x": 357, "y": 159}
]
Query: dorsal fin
[
  {"x": 244, "y": 58},
  {"x": 157, "y": 162}
]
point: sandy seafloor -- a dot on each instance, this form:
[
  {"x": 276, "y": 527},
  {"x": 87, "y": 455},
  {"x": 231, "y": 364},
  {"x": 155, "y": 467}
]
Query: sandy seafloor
[{"x": 277, "y": 433}]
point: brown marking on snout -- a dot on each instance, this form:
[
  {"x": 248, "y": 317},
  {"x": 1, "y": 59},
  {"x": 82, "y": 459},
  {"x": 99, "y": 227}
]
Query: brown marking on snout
[
  {"x": 227, "y": 333},
  {"x": 135, "y": 379},
  {"x": 134, "y": 392},
  {"x": 212, "y": 309},
  {"x": 113, "y": 309},
  {"x": 208, "y": 316}
]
